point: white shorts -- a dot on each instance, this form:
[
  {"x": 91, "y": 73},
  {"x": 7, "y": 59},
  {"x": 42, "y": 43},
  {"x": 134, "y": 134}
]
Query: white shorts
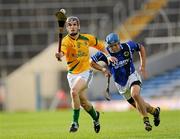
[
  {"x": 125, "y": 90},
  {"x": 86, "y": 75}
]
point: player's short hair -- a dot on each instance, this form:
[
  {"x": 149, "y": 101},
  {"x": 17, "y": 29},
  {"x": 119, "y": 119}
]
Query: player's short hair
[
  {"x": 111, "y": 39},
  {"x": 73, "y": 18}
]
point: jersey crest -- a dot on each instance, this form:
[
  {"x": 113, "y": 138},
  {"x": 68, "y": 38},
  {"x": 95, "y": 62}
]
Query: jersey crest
[{"x": 126, "y": 53}]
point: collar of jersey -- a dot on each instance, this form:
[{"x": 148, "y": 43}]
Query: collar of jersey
[{"x": 74, "y": 38}]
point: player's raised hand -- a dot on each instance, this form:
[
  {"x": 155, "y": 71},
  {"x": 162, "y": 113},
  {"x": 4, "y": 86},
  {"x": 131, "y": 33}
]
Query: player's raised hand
[{"x": 59, "y": 55}]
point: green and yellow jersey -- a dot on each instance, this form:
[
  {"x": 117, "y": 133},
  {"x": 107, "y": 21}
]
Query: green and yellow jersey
[{"x": 76, "y": 51}]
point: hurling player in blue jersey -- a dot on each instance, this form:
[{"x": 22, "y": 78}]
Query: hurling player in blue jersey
[{"x": 126, "y": 78}]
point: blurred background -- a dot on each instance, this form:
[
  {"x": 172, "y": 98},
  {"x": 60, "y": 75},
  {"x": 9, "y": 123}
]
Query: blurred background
[{"x": 31, "y": 78}]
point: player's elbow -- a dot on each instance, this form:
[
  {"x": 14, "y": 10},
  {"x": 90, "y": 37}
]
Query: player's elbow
[{"x": 92, "y": 63}]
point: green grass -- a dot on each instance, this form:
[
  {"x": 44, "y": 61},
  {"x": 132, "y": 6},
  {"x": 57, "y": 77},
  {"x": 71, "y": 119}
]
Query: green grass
[{"x": 114, "y": 125}]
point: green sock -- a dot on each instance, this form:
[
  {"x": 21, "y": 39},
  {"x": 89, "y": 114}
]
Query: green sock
[
  {"x": 76, "y": 115},
  {"x": 93, "y": 113}
]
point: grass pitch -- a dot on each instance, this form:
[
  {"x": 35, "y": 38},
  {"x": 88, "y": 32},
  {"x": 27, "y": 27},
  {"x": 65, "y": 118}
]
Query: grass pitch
[{"x": 114, "y": 125}]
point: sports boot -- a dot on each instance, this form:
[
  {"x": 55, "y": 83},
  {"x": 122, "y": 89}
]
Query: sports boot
[
  {"x": 74, "y": 127},
  {"x": 157, "y": 116},
  {"x": 147, "y": 124},
  {"x": 96, "y": 123}
]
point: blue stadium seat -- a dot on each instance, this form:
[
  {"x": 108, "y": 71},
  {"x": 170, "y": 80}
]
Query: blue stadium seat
[{"x": 161, "y": 84}]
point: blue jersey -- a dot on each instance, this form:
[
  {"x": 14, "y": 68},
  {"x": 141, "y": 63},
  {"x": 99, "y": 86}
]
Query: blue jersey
[{"x": 124, "y": 66}]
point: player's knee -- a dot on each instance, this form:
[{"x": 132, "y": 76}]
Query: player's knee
[
  {"x": 135, "y": 94},
  {"x": 135, "y": 91},
  {"x": 74, "y": 92}
]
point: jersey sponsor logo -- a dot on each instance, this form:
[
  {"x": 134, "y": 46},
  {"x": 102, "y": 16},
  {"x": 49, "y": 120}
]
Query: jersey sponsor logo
[
  {"x": 120, "y": 63},
  {"x": 81, "y": 54}
]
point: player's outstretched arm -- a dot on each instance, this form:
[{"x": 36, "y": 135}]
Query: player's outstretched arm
[
  {"x": 109, "y": 57},
  {"x": 100, "y": 68},
  {"x": 142, "y": 67}
]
